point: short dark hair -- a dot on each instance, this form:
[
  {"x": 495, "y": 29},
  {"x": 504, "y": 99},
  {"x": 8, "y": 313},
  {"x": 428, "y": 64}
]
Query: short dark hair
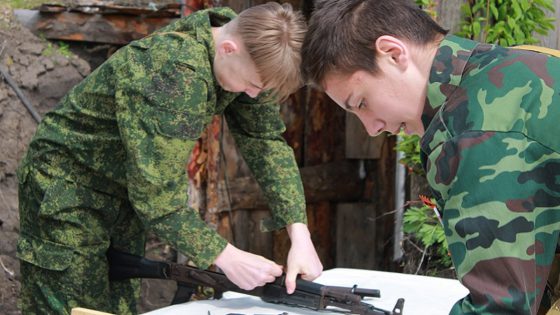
[{"x": 342, "y": 33}]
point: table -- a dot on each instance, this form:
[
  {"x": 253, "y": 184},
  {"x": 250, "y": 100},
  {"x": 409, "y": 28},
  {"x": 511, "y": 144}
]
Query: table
[{"x": 423, "y": 295}]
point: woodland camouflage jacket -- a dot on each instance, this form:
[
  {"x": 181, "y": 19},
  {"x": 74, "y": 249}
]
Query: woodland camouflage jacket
[
  {"x": 492, "y": 155},
  {"x": 128, "y": 129}
]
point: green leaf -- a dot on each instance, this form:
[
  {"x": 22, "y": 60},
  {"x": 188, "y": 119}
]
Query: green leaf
[
  {"x": 476, "y": 27},
  {"x": 494, "y": 10},
  {"x": 516, "y": 8}
]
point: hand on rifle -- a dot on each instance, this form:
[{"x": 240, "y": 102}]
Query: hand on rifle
[
  {"x": 302, "y": 258},
  {"x": 247, "y": 270}
]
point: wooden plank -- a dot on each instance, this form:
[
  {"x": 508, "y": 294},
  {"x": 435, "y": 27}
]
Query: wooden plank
[
  {"x": 359, "y": 144},
  {"x": 85, "y": 311},
  {"x": 320, "y": 222},
  {"x": 247, "y": 234},
  {"x": 449, "y": 14},
  {"x": 552, "y": 39},
  {"x": 324, "y": 129},
  {"x": 355, "y": 235},
  {"x": 293, "y": 114},
  {"x": 380, "y": 184},
  {"x": 336, "y": 181}
]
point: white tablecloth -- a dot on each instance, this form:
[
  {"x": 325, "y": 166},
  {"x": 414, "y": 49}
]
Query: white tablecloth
[{"x": 423, "y": 295}]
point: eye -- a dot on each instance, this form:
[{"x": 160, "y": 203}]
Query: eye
[{"x": 362, "y": 104}]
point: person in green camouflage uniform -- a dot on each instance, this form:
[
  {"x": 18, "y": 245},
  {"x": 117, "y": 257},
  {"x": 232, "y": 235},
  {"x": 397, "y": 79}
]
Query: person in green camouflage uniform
[
  {"x": 490, "y": 124},
  {"x": 108, "y": 163}
]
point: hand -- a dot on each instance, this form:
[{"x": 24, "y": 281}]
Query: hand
[
  {"x": 302, "y": 258},
  {"x": 247, "y": 270}
]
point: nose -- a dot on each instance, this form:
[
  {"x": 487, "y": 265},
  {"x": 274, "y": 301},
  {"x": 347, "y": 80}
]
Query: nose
[{"x": 373, "y": 126}]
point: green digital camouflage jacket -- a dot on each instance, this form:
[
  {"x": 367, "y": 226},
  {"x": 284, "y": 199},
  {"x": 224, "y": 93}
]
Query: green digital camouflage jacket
[
  {"x": 492, "y": 156},
  {"x": 128, "y": 129}
]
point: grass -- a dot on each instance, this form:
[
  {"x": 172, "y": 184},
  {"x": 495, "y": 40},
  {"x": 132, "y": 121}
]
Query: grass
[{"x": 26, "y": 4}]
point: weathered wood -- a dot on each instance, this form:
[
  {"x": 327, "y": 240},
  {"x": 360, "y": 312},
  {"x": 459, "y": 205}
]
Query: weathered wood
[
  {"x": 336, "y": 181},
  {"x": 321, "y": 226},
  {"x": 293, "y": 115},
  {"x": 552, "y": 39},
  {"x": 355, "y": 235},
  {"x": 359, "y": 144},
  {"x": 117, "y": 29},
  {"x": 247, "y": 234},
  {"x": 281, "y": 246},
  {"x": 380, "y": 183},
  {"x": 449, "y": 14},
  {"x": 324, "y": 129}
]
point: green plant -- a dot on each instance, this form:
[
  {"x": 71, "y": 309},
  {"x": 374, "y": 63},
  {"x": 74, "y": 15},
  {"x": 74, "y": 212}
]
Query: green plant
[
  {"x": 423, "y": 224},
  {"x": 409, "y": 145},
  {"x": 25, "y": 4},
  {"x": 429, "y": 6},
  {"x": 506, "y": 22},
  {"x": 62, "y": 48}
]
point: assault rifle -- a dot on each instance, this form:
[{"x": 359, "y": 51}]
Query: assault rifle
[{"x": 307, "y": 294}]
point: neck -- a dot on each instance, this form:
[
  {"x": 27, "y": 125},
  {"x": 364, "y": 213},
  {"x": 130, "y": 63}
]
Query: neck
[{"x": 425, "y": 57}]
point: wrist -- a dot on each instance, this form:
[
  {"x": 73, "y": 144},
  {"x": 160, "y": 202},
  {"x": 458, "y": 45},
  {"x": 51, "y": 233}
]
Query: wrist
[
  {"x": 224, "y": 255},
  {"x": 298, "y": 231}
]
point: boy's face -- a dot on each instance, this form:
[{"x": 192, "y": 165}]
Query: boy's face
[
  {"x": 236, "y": 72},
  {"x": 382, "y": 102}
]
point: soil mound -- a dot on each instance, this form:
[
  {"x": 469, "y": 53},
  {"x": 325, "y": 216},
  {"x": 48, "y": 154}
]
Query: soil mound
[{"x": 44, "y": 73}]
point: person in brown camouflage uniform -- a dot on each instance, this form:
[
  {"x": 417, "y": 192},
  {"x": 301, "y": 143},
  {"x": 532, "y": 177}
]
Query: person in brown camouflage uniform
[{"x": 108, "y": 162}]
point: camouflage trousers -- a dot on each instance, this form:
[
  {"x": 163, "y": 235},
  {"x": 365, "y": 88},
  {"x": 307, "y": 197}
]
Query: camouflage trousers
[{"x": 66, "y": 230}]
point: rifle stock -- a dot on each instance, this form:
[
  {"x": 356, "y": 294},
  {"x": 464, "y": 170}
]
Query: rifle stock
[{"x": 307, "y": 294}]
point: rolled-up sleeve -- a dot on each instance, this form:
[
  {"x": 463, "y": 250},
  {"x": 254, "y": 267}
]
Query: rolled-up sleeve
[{"x": 257, "y": 128}]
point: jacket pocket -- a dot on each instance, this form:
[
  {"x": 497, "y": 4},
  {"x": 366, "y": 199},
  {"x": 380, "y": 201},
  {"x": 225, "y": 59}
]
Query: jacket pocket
[
  {"x": 44, "y": 254},
  {"x": 181, "y": 125}
]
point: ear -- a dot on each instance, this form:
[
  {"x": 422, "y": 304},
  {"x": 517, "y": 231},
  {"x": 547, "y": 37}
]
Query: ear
[
  {"x": 392, "y": 50},
  {"x": 227, "y": 47}
]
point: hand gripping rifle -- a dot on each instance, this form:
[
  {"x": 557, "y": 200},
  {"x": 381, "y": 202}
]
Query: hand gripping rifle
[{"x": 307, "y": 294}]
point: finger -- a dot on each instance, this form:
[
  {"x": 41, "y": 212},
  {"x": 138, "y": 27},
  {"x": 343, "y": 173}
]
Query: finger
[
  {"x": 269, "y": 279},
  {"x": 291, "y": 281},
  {"x": 275, "y": 270}
]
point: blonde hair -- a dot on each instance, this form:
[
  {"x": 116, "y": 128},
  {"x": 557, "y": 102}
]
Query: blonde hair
[{"x": 273, "y": 35}]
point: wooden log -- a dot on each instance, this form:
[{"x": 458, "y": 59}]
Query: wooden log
[{"x": 336, "y": 181}]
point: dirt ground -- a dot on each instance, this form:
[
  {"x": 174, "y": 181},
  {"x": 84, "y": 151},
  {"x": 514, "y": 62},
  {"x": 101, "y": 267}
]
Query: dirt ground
[
  {"x": 44, "y": 73},
  {"x": 44, "y": 76}
]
